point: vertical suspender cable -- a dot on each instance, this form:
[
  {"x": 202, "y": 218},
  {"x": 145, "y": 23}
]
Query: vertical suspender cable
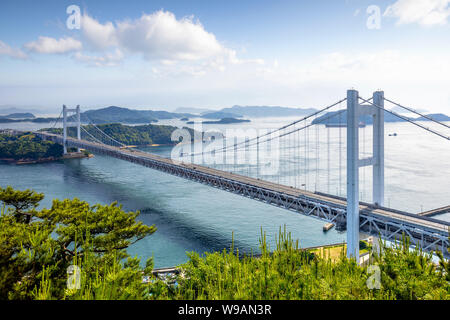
[
  {"x": 305, "y": 167},
  {"x": 316, "y": 186},
  {"x": 364, "y": 168},
  {"x": 340, "y": 150},
  {"x": 328, "y": 160}
]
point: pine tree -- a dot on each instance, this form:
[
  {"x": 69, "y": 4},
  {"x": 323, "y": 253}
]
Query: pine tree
[{"x": 33, "y": 242}]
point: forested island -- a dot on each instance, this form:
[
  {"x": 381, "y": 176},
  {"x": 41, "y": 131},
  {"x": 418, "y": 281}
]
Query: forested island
[
  {"x": 26, "y": 147},
  {"x": 142, "y": 135},
  {"x": 18, "y": 115},
  {"x": 222, "y": 121},
  {"x": 23, "y": 148}
]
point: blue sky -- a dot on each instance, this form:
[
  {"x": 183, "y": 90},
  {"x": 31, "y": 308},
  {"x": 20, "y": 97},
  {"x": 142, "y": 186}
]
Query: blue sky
[{"x": 169, "y": 54}]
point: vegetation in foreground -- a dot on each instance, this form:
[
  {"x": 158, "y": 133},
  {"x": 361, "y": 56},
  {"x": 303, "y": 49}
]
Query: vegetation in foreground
[{"x": 37, "y": 248}]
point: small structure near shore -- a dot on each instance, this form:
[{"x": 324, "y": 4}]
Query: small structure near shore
[
  {"x": 77, "y": 155},
  {"x": 327, "y": 226}
]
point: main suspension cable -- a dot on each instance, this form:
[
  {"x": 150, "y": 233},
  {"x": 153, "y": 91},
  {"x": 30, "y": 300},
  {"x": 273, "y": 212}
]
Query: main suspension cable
[
  {"x": 409, "y": 120},
  {"x": 276, "y": 130},
  {"x": 93, "y": 124},
  {"x": 418, "y": 113}
]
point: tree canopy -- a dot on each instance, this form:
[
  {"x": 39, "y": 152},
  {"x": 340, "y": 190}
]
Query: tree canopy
[
  {"x": 36, "y": 243},
  {"x": 38, "y": 247},
  {"x": 27, "y": 146}
]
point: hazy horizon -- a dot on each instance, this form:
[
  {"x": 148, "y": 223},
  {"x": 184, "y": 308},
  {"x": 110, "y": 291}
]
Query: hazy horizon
[{"x": 50, "y": 110}]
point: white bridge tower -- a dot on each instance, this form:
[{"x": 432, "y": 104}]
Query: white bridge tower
[
  {"x": 354, "y": 111},
  {"x": 66, "y": 124}
]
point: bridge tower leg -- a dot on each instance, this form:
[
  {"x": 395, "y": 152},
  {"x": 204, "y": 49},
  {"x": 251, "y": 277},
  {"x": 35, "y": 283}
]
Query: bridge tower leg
[
  {"x": 352, "y": 174},
  {"x": 78, "y": 124},
  {"x": 354, "y": 111},
  {"x": 67, "y": 124},
  {"x": 65, "y": 128},
  {"x": 378, "y": 149}
]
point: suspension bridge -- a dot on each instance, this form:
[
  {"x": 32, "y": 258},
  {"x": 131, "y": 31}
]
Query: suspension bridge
[{"x": 346, "y": 212}]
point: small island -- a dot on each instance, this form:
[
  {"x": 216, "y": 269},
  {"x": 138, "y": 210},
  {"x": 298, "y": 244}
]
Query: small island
[
  {"x": 222, "y": 121},
  {"x": 18, "y": 115}
]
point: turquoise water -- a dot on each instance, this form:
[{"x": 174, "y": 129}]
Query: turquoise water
[
  {"x": 189, "y": 216},
  {"x": 193, "y": 217}
]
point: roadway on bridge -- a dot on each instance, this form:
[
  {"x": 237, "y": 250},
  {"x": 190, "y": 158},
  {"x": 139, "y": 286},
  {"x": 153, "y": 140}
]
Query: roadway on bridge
[
  {"x": 392, "y": 214},
  {"x": 435, "y": 212}
]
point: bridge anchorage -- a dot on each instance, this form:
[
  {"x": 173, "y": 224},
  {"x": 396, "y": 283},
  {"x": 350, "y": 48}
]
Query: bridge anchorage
[{"x": 349, "y": 213}]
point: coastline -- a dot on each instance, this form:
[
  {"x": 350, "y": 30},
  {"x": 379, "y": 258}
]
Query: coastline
[{"x": 71, "y": 155}]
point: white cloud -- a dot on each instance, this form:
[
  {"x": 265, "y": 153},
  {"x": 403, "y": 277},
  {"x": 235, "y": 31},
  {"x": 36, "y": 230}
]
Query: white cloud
[
  {"x": 424, "y": 12},
  {"x": 11, "y": 52},
  {"x": 174, "y": 46},
  {"x": 105, "y": 60},
  {"x": 161, "y": 37},
  {"x": 99, "y": 36},
  {"x": 47, "y": 45}
]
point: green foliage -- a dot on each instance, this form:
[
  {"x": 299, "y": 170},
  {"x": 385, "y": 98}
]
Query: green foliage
[
  {"x": 290, "y": 273},
  {"x": 27, "y": 146},
  {"x": 109, "y": 227},
  {"x": 35, "y": 255},
  {"x": 37, "y": 246},
  {"x": 24, "y": 250},
  {"x": 22, "y": 201},
  {"x": 115, "y": 280},
  {"x": 411, "y": 274}
]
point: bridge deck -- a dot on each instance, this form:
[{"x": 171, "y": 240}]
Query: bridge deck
[
  {"x": 435, "y": 212},
  {"x": 390, "y": 224},
  {"x": 334, "y": 201}
]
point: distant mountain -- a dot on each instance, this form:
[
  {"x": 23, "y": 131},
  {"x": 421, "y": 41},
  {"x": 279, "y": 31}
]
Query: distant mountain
[
  {"x": 222, "y": 121},
  {"x": 193, "y": 110},
  {"x": 116, "y": 114},
  {"x": 162, "y": 115},
  {"x": 7, "y": 110},
  {"x": 35, "y": 120},
  {"x": 334, "y": 118},
  {"x": 266, "y": 111},
  {"x": 26, "y": 115},
  {"x": 397, "y": 109},
  {"x": 124, "y": 115},
  {"x": 220, "y": 115},
  {"x": 435, "y": 116}
]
